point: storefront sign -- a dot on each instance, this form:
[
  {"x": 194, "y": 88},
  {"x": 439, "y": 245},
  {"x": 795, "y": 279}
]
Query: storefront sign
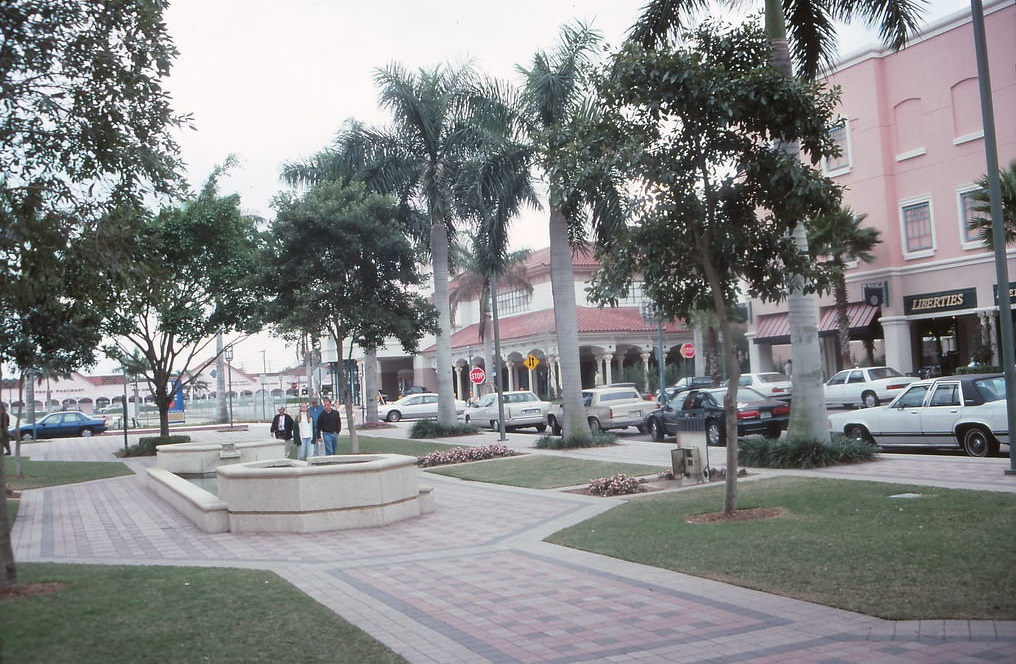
[
  {"x": 927, "y": 303},
  {"x": 1012, "y": 293}
]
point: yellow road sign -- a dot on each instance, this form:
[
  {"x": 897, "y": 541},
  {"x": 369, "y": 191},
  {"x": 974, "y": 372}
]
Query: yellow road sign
[{"x": 531, "y": 362}]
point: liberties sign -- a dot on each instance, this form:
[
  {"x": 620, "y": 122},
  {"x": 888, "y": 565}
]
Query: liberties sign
[{"x": 942, "y": 301}]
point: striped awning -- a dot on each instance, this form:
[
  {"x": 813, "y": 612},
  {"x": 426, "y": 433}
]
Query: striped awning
[
  {"x": 775, "y": 328},
  {"x": 859, "y": 317}
]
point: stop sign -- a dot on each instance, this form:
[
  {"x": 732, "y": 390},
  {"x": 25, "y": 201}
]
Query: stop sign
[
  {"x": 687, "y": 351},
  {"x": 477, "y": 375}
]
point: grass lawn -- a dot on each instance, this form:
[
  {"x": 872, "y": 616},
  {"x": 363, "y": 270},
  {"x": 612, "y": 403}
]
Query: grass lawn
[
  {"x": 49, "y": 473},
  {"x": 537, "y": 471},
  {"x": 948, "y": 554},
  {"x": 128, "y": 614}
]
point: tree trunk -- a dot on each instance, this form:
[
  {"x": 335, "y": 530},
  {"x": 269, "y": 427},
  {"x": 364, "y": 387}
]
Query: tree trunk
[
  {"x": 562, "y": 280},
  {"x": 446, "y": 414},
  {"x": 808, "y": 419},
  {"x": 9, "y": 577},
  {"x": 370, "y": 385},
  {"x": 842, "y": 322}
]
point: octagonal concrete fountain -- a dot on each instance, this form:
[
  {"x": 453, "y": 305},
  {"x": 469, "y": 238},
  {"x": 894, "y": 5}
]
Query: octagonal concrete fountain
[{"x": 283, "y": 495}]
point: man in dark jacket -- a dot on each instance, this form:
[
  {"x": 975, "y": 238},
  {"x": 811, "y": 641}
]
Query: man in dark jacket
[
  {"x": 329, "y": 424},
  {"x": 282, "y": 425}
]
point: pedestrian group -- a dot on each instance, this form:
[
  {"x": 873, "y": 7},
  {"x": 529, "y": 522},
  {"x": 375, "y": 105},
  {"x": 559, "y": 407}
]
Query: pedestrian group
[{"x": 314, "y": 426}]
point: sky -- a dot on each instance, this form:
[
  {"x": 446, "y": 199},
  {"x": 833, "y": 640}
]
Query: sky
[{"x": 273, "y": 81}]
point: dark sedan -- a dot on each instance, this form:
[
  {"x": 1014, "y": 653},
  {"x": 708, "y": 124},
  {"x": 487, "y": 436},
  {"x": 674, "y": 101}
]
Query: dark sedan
[
  {"x": 68, "y": 424},
  {"x": 703, "y": 409}
]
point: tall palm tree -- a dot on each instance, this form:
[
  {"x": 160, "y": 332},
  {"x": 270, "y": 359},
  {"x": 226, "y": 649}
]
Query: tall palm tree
[
  {"x": 982, "y": 223},
  {"x": 555, "y": 89},
  {"x": 836, "y": 240},
  {"x": 812, "y": 45}
]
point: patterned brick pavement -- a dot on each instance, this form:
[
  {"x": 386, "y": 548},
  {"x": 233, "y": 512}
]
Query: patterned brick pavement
[{"x": 473, "y": 582}]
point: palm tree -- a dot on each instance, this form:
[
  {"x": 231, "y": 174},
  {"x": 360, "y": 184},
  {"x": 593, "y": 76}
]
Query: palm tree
[
  {"x": 981, "y": 224},
  {"x": 812, "y": 45},
  {"x": 836, "y": 240},
  {"x": 554, "y": 95}
]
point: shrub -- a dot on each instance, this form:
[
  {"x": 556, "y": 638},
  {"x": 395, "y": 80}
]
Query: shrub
[
  {"x": 599, "y": 439},
  {"x": 616, "y": 485},
  {"x": 464, "y": 454},
  {"x": 146, "y": 445},
  {"x": 803, "y": 453},
  {"x": 434, "y": 429}
]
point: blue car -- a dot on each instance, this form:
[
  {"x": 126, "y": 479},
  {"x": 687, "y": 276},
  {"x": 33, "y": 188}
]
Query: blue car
[{"x": 67, "y": 424}]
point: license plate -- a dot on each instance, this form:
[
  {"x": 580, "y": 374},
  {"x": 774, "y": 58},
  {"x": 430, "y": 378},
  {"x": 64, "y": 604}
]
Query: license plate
[
  {"x": 530, "y": 411},
  {"x": 765, "y": 415},
  {"x": 635, "y": 413}
]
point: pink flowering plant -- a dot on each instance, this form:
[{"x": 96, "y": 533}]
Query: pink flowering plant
[
  {"x": 616, "y": 485},
  {"x": 463, "y": 455}
]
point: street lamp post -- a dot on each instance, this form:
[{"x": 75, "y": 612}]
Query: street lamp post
[
  {"x": 650, "y": 315},
  {"x": 228, "y": 355}
]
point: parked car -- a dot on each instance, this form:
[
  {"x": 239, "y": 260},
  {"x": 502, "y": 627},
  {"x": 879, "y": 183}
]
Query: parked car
[
  {"x": 414, "y": 406},
  {"x": 521, "y": 409},
  {"x": 772, "y": 384},
  {"x": 64, "y": 424},
  {"x": 865, "y": 386},
  {"x": 966, "y": 412},
  {"x": 685, "y": 384},
  {"x": 756, "y": 414},
  {"x": 607, "y": 408}
]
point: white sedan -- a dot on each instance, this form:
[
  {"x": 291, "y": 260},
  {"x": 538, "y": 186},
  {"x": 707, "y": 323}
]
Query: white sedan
[
  {"x": 968, "y": 412},
  {"x": 414, "y": 406},
  {"x": 771, "y": 384},
  {"x": 865, "y": 386},
  {"x": 521, "y": 409}
]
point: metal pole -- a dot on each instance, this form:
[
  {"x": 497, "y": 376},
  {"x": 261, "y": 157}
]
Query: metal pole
[
  {"x": 997, "y": 226},
  {"x": 660, "y": 359},
  {"x": 124, "y": 408}
]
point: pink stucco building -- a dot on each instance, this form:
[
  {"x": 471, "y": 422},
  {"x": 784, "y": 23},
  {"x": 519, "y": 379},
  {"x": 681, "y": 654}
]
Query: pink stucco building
[{"x": 913, "y": 151}]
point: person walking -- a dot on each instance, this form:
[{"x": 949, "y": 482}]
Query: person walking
[
  {"x": 315, "y": 411},
  {"x": 303, "y": 431},
  {"x": 329, "y": 424},
  {"x": 5, "y": 423},
  {"x": 282, "y": 427}
]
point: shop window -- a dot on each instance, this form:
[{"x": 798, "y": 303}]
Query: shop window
[
  {"x": 970, "y": 210},
  {"x": 841, "y": 137},
  {"x": 918, "y": 230}
]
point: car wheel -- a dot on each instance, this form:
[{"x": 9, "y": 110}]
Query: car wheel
[
  {"x": 594, "y": 425},
  {"x": 555, "y": 426},
  {"x": 467, "y": 419},
  {"x": 641, "y": 428},
  {"x": 394, "y": 416},
  {"x": 26, "y": 436},
  {"x": 86, "y": 433},
  {"x": 869, "y": 399},
  {"x": 541, "y": 427},
  {"x": 656, "y": 430},
  {"x": 713, "y": 436},
  {"x": 857, "y": 432},
  {"x": 977, "y": 442}
]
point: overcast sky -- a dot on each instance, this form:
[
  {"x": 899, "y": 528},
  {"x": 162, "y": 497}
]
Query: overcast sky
[{"x": 274, "y": 80}]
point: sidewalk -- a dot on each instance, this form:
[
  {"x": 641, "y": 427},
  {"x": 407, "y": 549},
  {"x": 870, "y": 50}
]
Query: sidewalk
[{"x": 473, "y": 582}]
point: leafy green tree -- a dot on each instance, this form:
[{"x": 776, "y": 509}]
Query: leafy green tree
[
  {"x": 341, "y": 265},
  {"x": 836, "y": 239},
  {"x": 693, "y": 129},
  {"x": 83, "y": 133},
  {"x": 982, "y": 223},
  {"x": 194, "y": 282},
  {"x": 812, "y": 45}
]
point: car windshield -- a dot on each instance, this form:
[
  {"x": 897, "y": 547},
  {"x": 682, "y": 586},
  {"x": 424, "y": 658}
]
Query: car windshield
[
  {"x": 772, "y": 378},
  {"x": 883, "y": 372},
  {"x": 527, "y": 396}
]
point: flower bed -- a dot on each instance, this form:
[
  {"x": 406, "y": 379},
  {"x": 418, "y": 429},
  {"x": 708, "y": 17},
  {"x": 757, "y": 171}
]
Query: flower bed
[{"x": 463, "y": 455}]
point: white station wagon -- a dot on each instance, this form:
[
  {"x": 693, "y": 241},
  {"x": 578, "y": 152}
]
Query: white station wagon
[{"x": 521, "y": 409}]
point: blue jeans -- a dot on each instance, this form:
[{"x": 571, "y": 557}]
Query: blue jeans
[
  {"x": 305, "y": 448},
  {"x": 331, "y": 440}
]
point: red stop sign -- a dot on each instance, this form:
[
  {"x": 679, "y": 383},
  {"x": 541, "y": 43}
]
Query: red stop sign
[
  {"x": 477, "y": 375},
  {"x": 687, "y": 351}
]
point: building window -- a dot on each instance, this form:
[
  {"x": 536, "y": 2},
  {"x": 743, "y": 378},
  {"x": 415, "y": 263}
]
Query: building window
[
  {"x": 968, "y": 212},
  {"x": 918, "y": 230},
  {"x": 636, "y": 296},
  {"x": 840, "y": 136},
  {"x": 513, "y": 302}
]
